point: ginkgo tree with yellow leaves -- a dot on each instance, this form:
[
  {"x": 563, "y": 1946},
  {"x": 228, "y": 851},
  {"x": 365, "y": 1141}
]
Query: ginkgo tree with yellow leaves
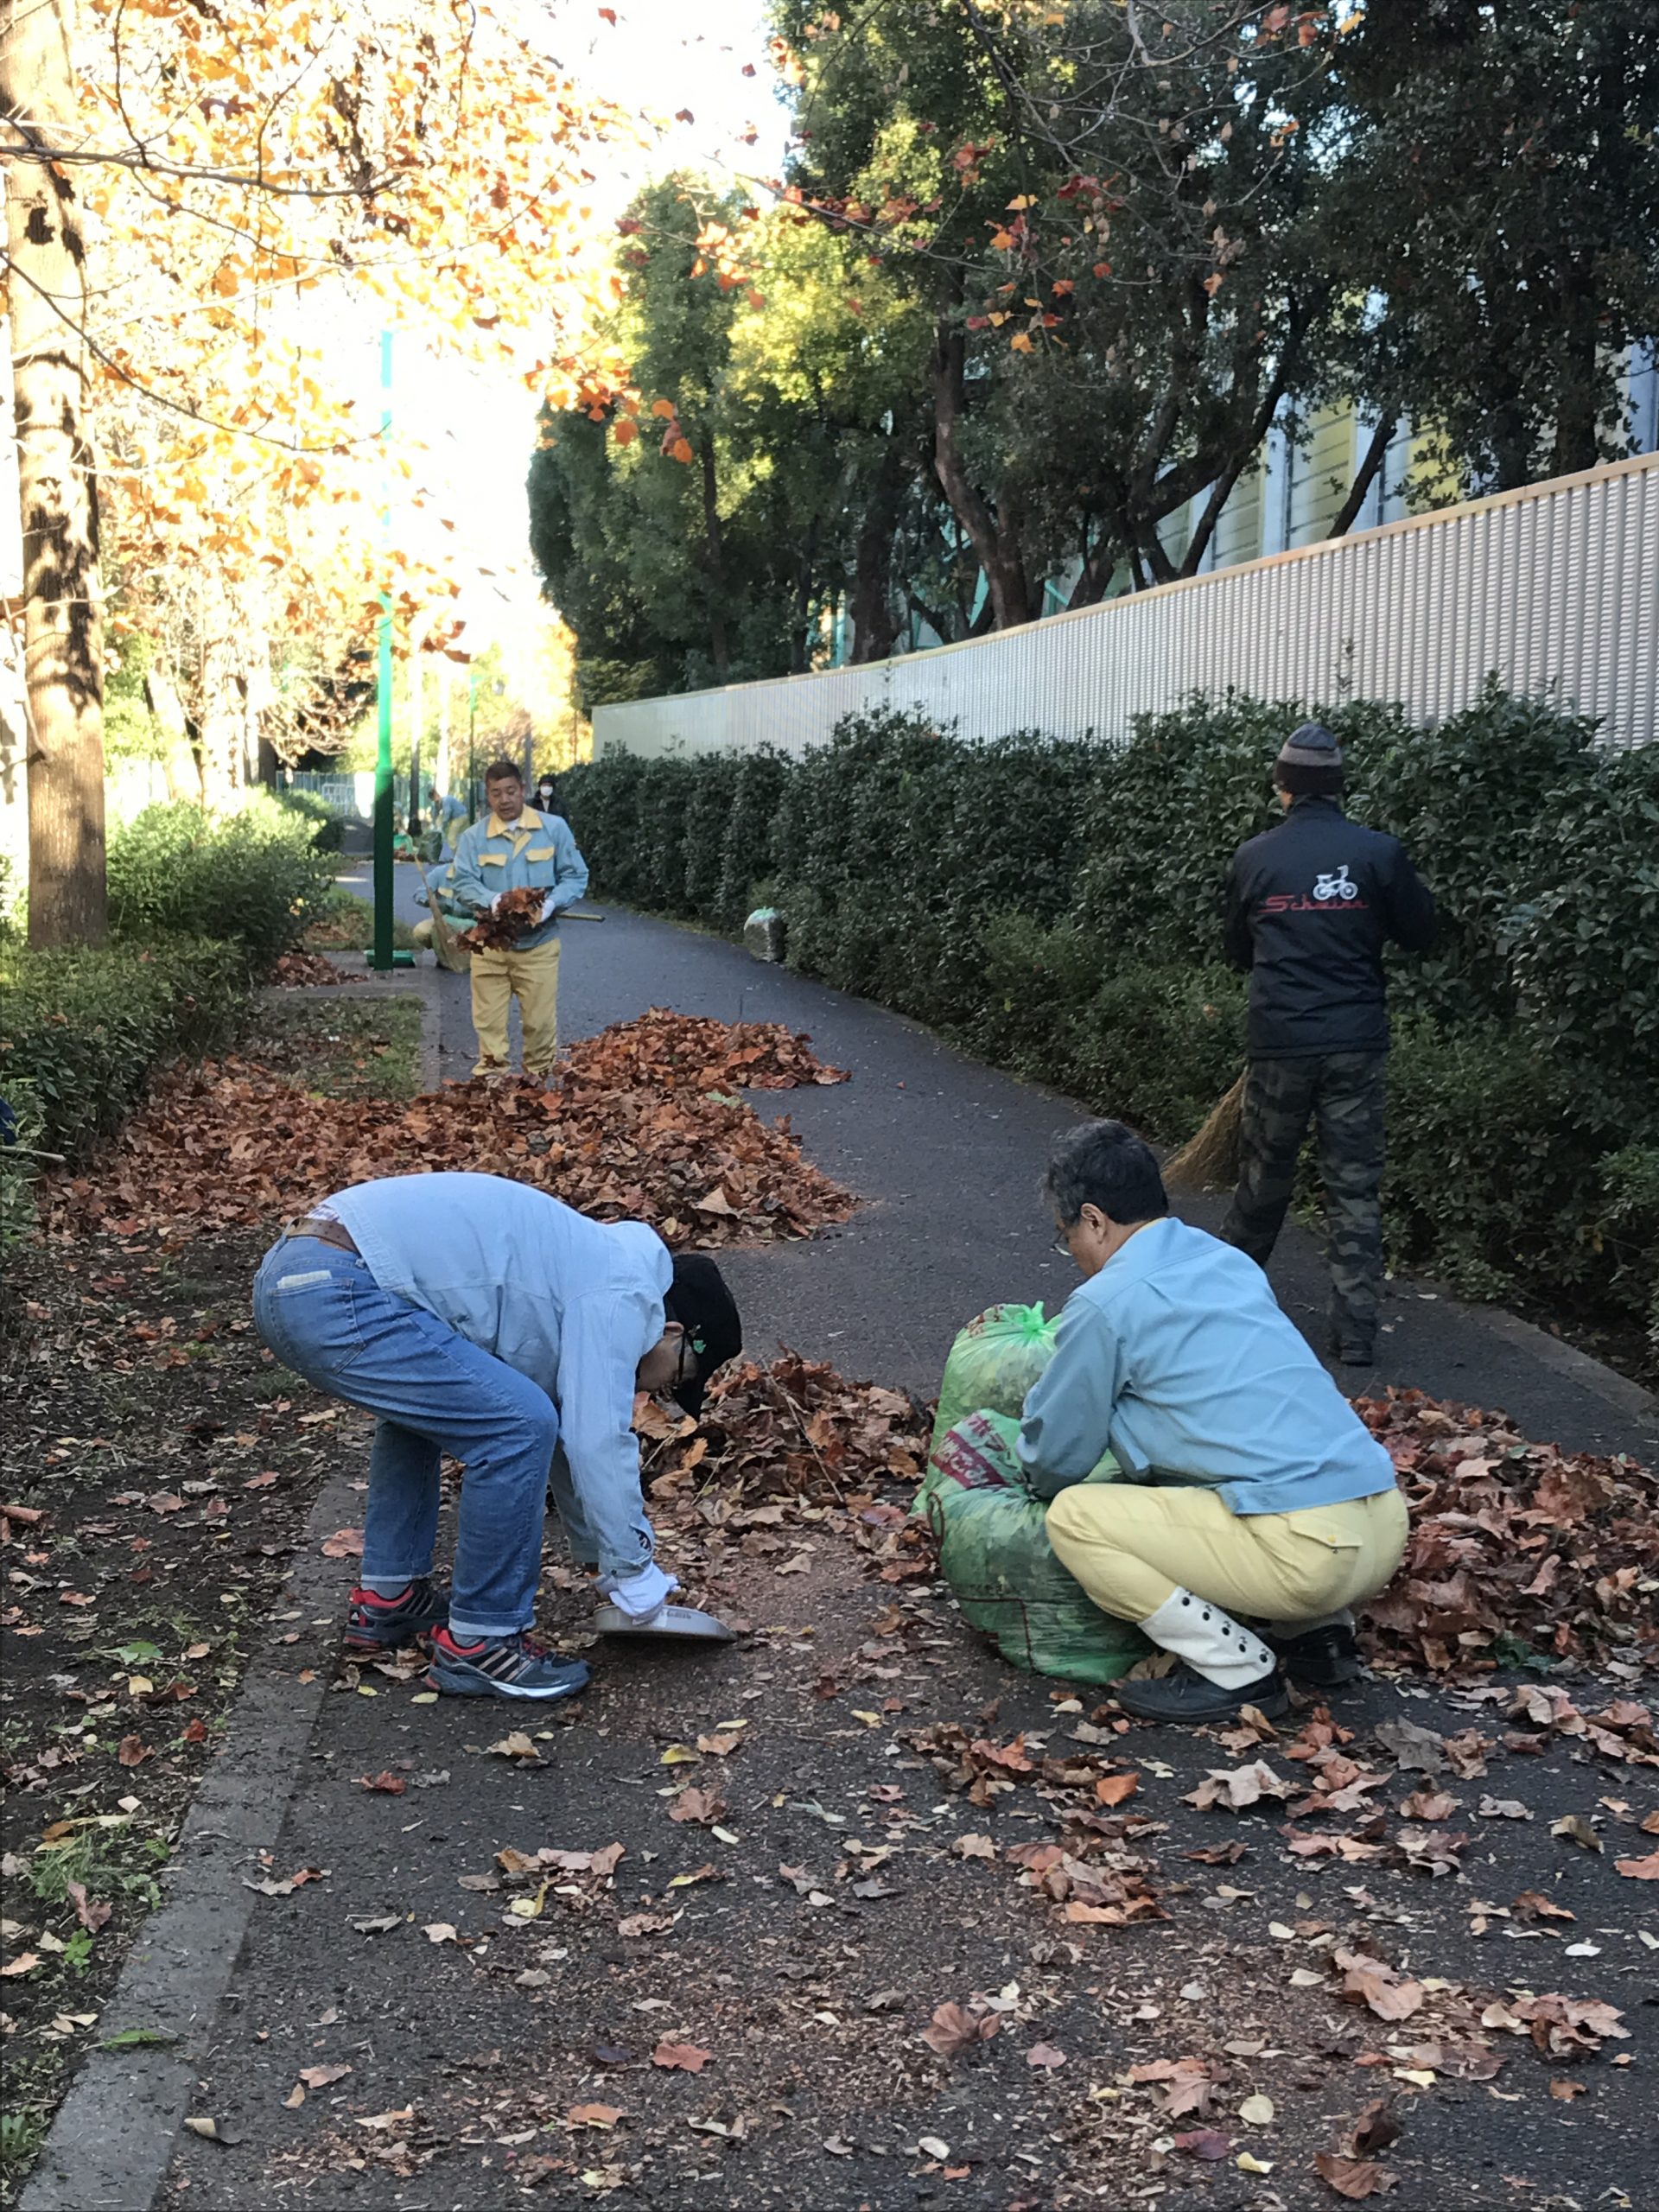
[{"x": 210, "y": 212}]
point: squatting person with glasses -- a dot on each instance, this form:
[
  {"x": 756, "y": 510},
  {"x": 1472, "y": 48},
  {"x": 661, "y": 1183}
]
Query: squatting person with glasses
[
  {"x": 1253, "y": 1486},
  {"x": 481, "y": 1318}
]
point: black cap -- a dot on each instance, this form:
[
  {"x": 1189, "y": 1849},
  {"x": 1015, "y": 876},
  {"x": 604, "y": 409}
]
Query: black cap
[{"x": 699, "y": 1301}]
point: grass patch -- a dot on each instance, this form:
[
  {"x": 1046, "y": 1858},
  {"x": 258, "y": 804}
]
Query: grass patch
[
  {"x": 22, "y": 2130},
  {"x": 340, "y": 1045}
]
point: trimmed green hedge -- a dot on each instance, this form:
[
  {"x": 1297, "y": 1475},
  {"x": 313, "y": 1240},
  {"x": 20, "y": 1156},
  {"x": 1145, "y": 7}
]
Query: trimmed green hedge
[
  {"x": 84, "y": 1031},
  {"x": 84, "y": 1028},
  {"x": 328, "y": 830},
  {"x": 256, "y": 877},
  {"x": 1057, "y": 906},
  {"x": 198, "y": 909}
]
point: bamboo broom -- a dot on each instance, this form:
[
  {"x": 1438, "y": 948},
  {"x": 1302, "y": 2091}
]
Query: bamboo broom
[
  {"x": 1210, "y": 1162},
  {"x": 444, "y": 941}
]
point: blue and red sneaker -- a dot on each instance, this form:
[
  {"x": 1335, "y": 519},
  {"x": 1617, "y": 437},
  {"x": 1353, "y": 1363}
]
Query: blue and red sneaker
[
  {"x": 377, "y": 1623},
  {"x": 503, "y": 1666}
]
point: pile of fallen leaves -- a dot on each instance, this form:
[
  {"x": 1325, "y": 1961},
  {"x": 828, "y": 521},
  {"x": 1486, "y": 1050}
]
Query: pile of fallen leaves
[
  {"x": 1517, "y": 1549},
  {"x": 232, "y": 1144},
  {"x": 689, "y": 1051},
  {"x": 792, "y": 1432},
  {"x": 513, "y": 914},
  {"x": 304, "y": 969}
]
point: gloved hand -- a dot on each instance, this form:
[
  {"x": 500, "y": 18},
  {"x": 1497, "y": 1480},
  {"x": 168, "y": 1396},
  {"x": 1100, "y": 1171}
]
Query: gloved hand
[
  {"x": 547, "y": 907},
  {"x": 496, "y": 901}
]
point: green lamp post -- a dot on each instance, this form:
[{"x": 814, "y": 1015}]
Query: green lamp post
[{"x": 382, "y": 955}]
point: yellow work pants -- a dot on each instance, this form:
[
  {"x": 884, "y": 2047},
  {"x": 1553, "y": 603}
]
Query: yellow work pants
[
  {"x": 1132, "y": 1546},
  {"x": 532, "y": 978}
]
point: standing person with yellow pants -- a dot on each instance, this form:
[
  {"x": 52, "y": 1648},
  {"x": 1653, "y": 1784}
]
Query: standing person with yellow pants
[
  {"x": 1254, "y": 1488},
  {"x": 513, "y": 848}
]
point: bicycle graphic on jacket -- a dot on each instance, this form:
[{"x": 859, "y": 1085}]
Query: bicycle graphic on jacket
[{"x": 1338, "y": 885}]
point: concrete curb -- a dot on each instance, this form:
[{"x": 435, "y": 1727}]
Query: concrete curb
[
  {"x": 112, "y": 2141},
  {"x": 1614, "y": 1388}
]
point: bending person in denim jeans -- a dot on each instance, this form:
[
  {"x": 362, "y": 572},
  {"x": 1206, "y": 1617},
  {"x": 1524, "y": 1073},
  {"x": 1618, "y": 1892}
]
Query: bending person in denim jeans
[{"x": 479, "y": 1317}]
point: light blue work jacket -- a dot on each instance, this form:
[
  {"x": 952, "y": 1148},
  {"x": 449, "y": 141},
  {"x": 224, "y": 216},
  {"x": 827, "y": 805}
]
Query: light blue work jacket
[
  {"x": 537, "y": 850},
  {"x": 1177, "y": 1357}
]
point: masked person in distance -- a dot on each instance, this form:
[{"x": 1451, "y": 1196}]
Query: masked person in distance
[
  {"x": 1253, "y": 1488},
  {"x": 481, "y": 1318}
]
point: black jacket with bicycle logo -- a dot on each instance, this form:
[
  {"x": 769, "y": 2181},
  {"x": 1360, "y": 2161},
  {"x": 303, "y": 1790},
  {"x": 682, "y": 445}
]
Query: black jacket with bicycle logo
[{"x": 1310, "y": 906}]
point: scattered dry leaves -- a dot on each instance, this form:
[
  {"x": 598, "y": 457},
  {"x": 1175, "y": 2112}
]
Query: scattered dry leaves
[{"x": 311, "y": 970}]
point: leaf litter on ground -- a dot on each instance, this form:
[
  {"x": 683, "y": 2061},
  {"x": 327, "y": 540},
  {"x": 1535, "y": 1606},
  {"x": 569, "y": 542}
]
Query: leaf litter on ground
[
  {"x": 1515, "y": 1547},
  {"x": 233, "y": 1144}
]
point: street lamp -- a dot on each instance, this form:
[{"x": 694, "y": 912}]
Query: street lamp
[{"x": 381, "y": 954}]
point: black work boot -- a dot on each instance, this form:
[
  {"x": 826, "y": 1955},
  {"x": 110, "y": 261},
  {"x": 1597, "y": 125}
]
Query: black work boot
[
  {"x": 1324, "y": 1657},
  {"x": 1186, "y": 1697}
]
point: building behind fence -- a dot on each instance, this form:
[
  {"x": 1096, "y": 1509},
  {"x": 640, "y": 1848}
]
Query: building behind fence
[{"x": 1554, "y": 588}]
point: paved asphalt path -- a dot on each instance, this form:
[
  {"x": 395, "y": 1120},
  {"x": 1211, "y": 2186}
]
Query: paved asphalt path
[
  {"x": 948, "y": 1154},
  {"x": 473, "y": 2056}
]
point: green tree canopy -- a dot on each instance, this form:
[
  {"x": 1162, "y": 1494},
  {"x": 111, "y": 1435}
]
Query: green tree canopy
[{"x": 1042, "y": 274}]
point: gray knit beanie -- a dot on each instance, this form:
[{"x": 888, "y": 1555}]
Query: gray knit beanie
[{"x": 1310, "y": 761}]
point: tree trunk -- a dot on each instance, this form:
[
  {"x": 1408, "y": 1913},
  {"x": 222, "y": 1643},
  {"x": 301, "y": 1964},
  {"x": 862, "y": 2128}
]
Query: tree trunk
[
  {"x": 998, "y": 555},
  {"x": 1375, "y": 454},
  {"x": 713, "y": 563},
  {"x": 179, "y": 763},
  {"x": 221, "y": 726},
  {"x": 1247, "y": 449},
  {"x": 875, "y": 617},
  {"x": 63, "y": 630},
  {"x": 441, "y": 762},
  {"x": 806, "y": 565},
  {"x": 1576, "y": 444}
]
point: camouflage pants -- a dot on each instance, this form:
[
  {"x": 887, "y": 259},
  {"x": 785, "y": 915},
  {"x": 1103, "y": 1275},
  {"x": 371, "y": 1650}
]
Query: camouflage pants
[{"x": 1343, "y": 1093}]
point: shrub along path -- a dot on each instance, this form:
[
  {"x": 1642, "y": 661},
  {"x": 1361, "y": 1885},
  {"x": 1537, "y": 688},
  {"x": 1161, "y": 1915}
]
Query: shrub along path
[{"x": 804, "y": 1935}]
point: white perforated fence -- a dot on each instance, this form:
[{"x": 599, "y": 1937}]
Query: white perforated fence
[{"x": 1554, "y": 588}]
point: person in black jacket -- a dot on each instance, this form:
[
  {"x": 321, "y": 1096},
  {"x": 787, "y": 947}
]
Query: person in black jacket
[{"x": 1310, "y": 907}]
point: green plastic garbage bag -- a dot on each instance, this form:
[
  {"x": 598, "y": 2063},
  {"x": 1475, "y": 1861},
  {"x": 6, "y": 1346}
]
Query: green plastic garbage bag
[
  {"x": 994, "y": 1554},
  {"x": 993, "y": 1363}
]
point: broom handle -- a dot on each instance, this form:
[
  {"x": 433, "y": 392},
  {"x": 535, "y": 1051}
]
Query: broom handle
[{"x": 441, "y": 929}]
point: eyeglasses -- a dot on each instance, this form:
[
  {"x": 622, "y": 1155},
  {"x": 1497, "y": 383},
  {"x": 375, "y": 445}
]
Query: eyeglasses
[{"x": 1062, "y": 1244}]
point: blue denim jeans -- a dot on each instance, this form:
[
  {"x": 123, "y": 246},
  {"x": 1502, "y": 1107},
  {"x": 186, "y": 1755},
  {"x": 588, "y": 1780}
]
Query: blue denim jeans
[{"x": 323, "y": 1314}]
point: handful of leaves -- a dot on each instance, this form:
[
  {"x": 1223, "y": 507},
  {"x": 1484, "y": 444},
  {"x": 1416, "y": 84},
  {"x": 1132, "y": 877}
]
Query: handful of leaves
[{"x": 506, "y": 922}]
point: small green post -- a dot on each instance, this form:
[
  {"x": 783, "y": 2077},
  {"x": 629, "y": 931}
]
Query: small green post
[{"x": 382, "y": 955}]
